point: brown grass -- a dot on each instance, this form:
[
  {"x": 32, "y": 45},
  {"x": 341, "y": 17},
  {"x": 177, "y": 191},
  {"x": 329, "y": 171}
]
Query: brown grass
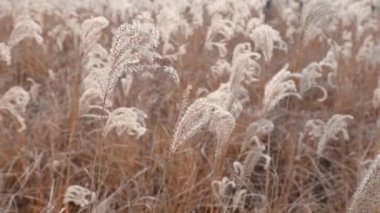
[{"x": 59, "y": 149}]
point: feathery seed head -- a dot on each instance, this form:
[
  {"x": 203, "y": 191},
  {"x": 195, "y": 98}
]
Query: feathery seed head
[
  {"x": 91, "y": 32},
  {"x": 15, "y": 101},
  {"x": 79, "y": 196},
  {"x": 315, "y": 15},
  {"x": 280, "y": 86},
  {"x": 123, "y": 119},
  {"x": 25, "y": 28},
  {"x": 266, "y": 39},
  {"x": 195, "y": 118},
  {"x": 366, "y": 197},
  {"x": 329, "y": 130},
  {"x": 5, "y": 53},
  {"x": 132, "y": 51}
]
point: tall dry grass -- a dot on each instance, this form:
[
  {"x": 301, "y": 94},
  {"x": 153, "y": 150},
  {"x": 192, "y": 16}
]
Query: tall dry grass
[{"x": 97, "y": 113}]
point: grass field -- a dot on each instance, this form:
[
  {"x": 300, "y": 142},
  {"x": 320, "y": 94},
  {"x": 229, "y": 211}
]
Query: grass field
[{"x": 189, "y": 106}]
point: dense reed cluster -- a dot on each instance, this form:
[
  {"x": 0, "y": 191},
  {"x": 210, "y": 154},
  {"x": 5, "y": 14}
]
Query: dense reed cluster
[{"x": 189, "y": 106}]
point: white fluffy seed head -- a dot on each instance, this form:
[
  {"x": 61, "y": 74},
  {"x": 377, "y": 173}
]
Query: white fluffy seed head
[
  {"x": 5, "y": 53},
  {"x": 314, "y": 128},
  {"x": 239, "y": 200},
  {"x": 15, "y": 101},
  {"x": 223, "y": 188},
  {"x": 219, "y": 27},
  {"x": 210, "y": 116},
  {"x": 79, "y": 196},
  {"x": 244, "y": 66},
  {"x": 25, "y": 28},
  {"x": 130, "y": 120},
  {"x": 254, "y": 132},
  {"x": 366, "y": 197},
  {"x": 221, "y": 124},
  {"x": 266, "y": 39},
  {"x": 336, "y": 124},
  {"x": 91, "y": 32},
  {"x": 280, "y": 86},
  {"x": 16, "y": 98},
  {"x": 196, "y": 117},
  {"x": 92, "y": 94},
  {"x": 315, "y": 14},
  {"x": 329, "y": 130},
  {"x": 132, "y": 51},
  {"x": 309, "y": 80}
]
